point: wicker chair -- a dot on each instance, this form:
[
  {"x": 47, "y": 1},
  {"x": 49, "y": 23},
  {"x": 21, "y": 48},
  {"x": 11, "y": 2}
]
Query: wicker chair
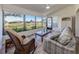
[{"x": 22, "y": 46}]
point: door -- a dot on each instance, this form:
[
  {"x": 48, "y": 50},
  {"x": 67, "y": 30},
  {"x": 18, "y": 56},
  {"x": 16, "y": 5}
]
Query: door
[{"x": 49, "y": 23}]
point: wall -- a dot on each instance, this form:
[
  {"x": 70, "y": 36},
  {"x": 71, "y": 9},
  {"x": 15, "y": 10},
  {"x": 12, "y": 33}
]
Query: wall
[
  {"x": 77, "y": 20},
  {"x": 67, "y": 22},
  {"x": 68, "y": 12},
  {"x": 0, "y": 27},
  {"x": 77, "y": 24},
  {"x": 65, "y": 12}
]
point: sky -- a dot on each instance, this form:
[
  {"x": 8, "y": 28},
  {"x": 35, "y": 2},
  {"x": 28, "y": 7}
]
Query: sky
[{"x": 28, "y": 18}]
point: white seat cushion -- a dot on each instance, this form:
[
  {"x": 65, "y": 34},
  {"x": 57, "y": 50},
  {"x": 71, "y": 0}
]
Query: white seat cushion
[
  {"x": 25, "y": 41},
  {"x": 28, "y": 39}
]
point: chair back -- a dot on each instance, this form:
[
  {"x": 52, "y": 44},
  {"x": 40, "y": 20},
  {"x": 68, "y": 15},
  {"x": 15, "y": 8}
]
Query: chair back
[{"x": 16, "y": 39}]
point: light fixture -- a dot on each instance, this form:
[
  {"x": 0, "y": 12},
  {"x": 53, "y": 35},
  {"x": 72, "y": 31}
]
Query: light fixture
[{"x": 47, "y": 6}]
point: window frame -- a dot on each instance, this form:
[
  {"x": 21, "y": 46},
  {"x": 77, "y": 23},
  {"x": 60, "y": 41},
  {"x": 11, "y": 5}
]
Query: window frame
[
  {"x": 24, "y": 25},
  {"x": 51, "y": 18}
]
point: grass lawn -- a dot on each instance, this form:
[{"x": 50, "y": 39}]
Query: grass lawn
[{"x": 19, "y": 26}]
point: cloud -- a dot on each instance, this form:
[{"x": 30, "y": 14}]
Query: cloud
[{"x": 13, "y": 19}]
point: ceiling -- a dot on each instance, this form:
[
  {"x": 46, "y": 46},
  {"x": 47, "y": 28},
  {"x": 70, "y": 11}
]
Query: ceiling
[{"x": 41, "y": 8}]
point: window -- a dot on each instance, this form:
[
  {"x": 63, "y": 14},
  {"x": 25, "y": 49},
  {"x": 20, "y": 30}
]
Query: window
[
  {"x": 44, "y": 22},
  {"x": 13, "y": 21},
  {"x": 22, "y": 22},
  {"x": 55, "y": 22},
  {"x": 49, "y": 23},
  {"x": 38, "y": 22},
  {"x": 30, "y": 22}
]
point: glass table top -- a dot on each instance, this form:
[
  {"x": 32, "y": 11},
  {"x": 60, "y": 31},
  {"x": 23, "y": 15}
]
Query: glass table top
[{"x": 43, "y": 31}]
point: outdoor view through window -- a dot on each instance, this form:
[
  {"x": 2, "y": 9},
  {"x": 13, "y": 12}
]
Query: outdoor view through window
[
  {"x": 26, "y": 22},
  {"x": 16, "y": 22}
]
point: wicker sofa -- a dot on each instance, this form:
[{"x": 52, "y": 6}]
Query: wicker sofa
[{"x": 53, "y": 47}]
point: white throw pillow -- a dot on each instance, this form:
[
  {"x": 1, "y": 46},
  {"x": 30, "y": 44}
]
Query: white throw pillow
[{"x": 65, "y": 36}]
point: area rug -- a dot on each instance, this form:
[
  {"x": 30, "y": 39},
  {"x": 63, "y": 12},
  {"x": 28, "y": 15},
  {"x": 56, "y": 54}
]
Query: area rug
[{"x": 39, "y": 50}]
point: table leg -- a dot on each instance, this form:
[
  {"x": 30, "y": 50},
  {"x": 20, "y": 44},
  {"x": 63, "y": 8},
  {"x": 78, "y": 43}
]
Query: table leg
[{"x": 42, "y": 39}]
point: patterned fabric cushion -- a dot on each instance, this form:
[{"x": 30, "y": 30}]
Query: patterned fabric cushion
[
  {"x": 55, "y": 37},
  {"x": 65, "y": 36}
]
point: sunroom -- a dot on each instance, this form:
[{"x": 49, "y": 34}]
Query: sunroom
[{"x": 35, "y": 28}]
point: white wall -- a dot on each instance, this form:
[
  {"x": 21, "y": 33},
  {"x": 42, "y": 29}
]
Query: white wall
[
  {"x": 67, "y": 22},
  {"x": 65, "y": 12},
  {"x": 77, "y": 25},
  {"x": 68, "y": 12},
  {"x": 77, "y": 20},
  {"x": 0, "y": 27}
]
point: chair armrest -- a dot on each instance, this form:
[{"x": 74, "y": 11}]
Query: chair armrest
[
  {"x": 63, "y": 48},
  {"x": 23, "y": 36}
]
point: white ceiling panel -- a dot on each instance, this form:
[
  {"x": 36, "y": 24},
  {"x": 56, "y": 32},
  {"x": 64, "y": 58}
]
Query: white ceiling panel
[{"x": 41, "y": 8}]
